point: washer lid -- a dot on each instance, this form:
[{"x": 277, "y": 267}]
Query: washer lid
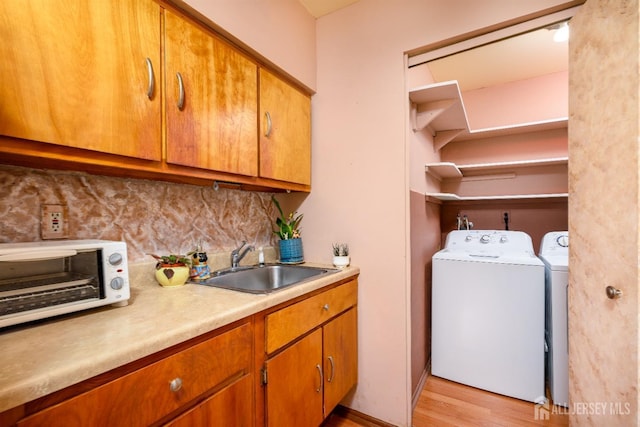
[{"x": 489, "y": 257}]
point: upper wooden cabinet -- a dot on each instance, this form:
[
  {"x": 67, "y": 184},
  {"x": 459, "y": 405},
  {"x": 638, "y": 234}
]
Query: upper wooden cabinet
[
  {"x": 285, "y": 131},
  {"x": 139, "y": 89},
  {"x": 211, "y": 101},
  {"x": 84, "y": 75}
]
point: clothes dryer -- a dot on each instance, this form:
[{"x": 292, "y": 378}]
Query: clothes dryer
[
  {"x": 488, "y": 313},
  {"x": 554, "y": 252}
]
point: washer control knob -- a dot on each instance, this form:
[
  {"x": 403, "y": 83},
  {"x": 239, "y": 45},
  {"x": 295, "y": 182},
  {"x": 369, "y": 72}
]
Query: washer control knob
[
  {"x": 503, "y": 239},
  {"x": 117, "y": 283},
  {"x": 563, "y": 240},
  {"x": 115, "y": 258},
  {"x": 468, "y": 238},
  {"x": 485, "y": 238}
]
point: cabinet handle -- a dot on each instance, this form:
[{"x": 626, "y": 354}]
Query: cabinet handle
[
  {"x": 325, "y": 307},
  {"x": 319, "y": 368},
  {"x": 267, "y": 117},
  {"x": 332, "y": 369},
  {"x": 175, "y": 384},
  {"x": 181, "y": 92},
  {"x": 152, "y": 80}
]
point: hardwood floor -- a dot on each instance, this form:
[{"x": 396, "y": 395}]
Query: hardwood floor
[{"x": 446, "y": 403}]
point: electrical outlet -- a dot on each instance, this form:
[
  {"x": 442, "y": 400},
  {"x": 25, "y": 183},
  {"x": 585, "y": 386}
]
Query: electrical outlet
[
  {"x": 506, "y": 219},
  {"x": 53, "y": 224}
]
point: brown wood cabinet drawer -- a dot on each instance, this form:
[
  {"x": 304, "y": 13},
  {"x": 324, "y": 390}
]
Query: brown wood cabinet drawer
[
  {"x": 285, "y": 325},
  {"x": 145, "y": 395}
]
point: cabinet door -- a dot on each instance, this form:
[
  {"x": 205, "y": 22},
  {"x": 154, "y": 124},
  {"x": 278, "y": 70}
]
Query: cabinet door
[
  {"x": 294, "y": 384},
  {"x": 285, "y": 131},
  {"x": 76, "y": 74},
  {"x": 211, "y": 101},
  {"x": 340, "y": 358},
  {"x": 230, "y": 407}
]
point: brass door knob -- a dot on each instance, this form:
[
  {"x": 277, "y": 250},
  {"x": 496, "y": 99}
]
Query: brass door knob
[{"x": 613, "y": 293}]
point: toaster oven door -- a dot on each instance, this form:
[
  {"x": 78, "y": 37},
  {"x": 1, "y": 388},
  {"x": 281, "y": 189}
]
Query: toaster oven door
[{"x": 37, "y": 281}]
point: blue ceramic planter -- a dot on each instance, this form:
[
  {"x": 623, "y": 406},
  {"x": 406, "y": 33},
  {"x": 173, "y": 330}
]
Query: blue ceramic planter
[{"x": 291, "y": 251}]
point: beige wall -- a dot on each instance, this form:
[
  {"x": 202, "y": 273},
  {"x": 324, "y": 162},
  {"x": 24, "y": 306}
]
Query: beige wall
[{"x": 531, "y": 100}]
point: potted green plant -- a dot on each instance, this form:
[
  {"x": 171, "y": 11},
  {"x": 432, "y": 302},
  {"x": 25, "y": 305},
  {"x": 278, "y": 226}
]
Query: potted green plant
[
  {"x": 341, "y": 257},
  {"x": 172, "y": 270},
  {"x": 288, "y": 229}
]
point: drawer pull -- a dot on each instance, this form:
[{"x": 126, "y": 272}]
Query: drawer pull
[
  {"x": 325, "y": 307},
  {"x": 332, "y": 369},
  {"x": 175, "y": 384},
  {"x": 321, "y": 378}
]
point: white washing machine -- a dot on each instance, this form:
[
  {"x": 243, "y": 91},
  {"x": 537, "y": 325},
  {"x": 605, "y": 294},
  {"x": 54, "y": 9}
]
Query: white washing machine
[
  {"x": 554, "y": 252},
  {"x": 488, "y": 313}
]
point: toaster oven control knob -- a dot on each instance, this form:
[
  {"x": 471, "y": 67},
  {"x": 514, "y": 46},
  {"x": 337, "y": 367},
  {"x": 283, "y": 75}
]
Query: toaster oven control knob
[
  {"x": 115, "y": 258},
  {"x": 117, "y": 283}
]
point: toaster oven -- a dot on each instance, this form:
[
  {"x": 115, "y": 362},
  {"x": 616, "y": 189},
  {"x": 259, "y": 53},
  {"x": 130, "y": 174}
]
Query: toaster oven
[{"x": 44, "y": 279}]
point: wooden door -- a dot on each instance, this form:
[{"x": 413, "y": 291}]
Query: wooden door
[
  {"x": 340, "y": 358},
  {"x": 603, "y": 214},
  {"x": 76, "y": 74},
  {"x": 230, "y": 407},
  {"x": 285, "y": 131},
  {"x": 215, "y": 125},
  {"x": 294, "y": 384}
]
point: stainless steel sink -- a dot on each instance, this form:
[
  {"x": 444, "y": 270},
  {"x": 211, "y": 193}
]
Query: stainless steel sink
[{"x": 265, "y": 279}]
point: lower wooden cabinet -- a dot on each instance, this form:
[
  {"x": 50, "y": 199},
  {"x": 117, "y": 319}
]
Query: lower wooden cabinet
[
  {"x": 306, "y": 349},
  {"x": 230, "y": 407},
  {"x": 340, "y": 351},
  {"x": 294, "y": 384},
  {"x": 149, "y": 394},
  {"x": 306, "y": 380}
]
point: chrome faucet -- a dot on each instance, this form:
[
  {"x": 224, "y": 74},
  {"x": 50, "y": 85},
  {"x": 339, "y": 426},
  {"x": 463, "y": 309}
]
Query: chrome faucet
[{"x": 237, "y": 255}]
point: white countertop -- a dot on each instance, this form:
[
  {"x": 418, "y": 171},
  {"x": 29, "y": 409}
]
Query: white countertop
[{"x": 41, "y": 358}]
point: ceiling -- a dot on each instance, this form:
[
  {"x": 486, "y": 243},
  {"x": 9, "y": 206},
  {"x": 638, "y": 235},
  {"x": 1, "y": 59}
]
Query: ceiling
[
  {"x": 318, "y": 8},
  {"x": 517, "y": 58}
]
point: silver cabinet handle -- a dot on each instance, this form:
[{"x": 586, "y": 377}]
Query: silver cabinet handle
[
  {"x": 613, "y": 293},
  {"x": 332, "y": 369},
  {"x": 181, "y": 93},
  {"x": 152, "y": 80},
  {"x": 325, "y": 307},
  {"x": 319, "y": 368},
  {"x": 175, "y": 384},
  {"x": 267, "y": 117}
]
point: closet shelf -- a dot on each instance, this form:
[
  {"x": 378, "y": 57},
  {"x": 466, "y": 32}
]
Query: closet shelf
[
  {"x": 448, "y": 170},
  {"x": 439, "y": 108},
  {"x": 454, "y": 197},
  {"x": 520, "y": 128}
]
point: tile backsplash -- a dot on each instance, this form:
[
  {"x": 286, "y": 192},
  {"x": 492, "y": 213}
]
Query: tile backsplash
[{"x": 151, "y": 216}]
